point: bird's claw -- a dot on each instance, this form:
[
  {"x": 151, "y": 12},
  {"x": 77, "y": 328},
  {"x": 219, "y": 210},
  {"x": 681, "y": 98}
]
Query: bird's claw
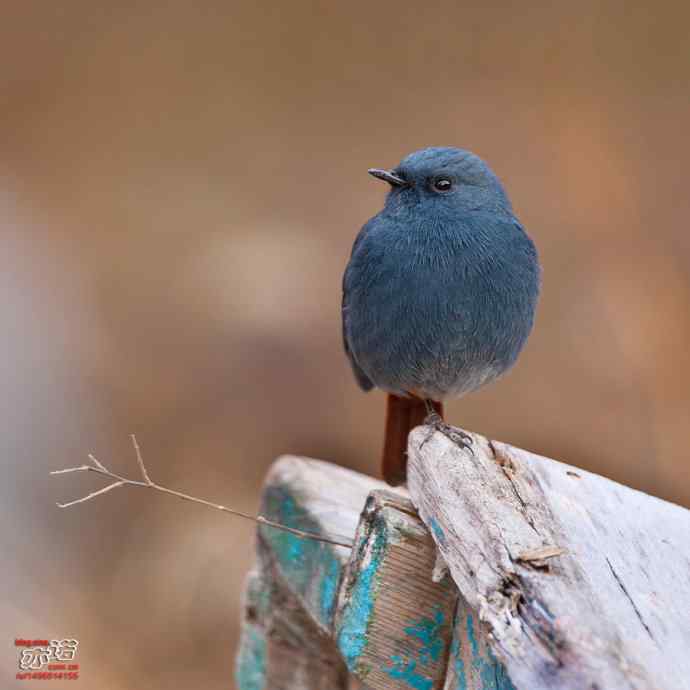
[
  {"x": 453, "y": 433},
  {"x": 458, "y": 437}
]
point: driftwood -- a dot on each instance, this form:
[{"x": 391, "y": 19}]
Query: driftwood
[
  {"x": 557, "y": 578},
  {"x": 582, "y": 582}
]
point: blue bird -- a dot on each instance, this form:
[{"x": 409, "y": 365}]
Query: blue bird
[{"x": 440, "y": 292}]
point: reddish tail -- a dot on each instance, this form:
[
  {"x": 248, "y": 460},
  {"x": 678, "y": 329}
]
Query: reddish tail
[{"x": 402, "y": 415}]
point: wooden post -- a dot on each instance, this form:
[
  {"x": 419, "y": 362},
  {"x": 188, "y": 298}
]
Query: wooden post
[{"x": 559, "y": 579}]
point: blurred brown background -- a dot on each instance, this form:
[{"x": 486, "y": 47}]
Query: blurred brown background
[{"x": 180, "y": 185}]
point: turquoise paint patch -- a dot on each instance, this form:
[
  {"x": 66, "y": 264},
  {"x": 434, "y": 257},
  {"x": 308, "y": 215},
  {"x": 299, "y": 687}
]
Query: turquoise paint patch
[
  {"x": 485, "y": 668},
  {"x": 258, "y": 596},
  {"x": 428, "y": 632},
  {"x": 438, "y": 532},
  {"x": 492, "y": 673},
  {"x": 352, "y": 634},
  {"x": 329, "y": 589},
  {"x": 458, "y": 663},
  {"x": 474, "y": 644},
  {"x": 250, "y": 670},
  {"x": 501, "y": 680},
  {"x": 311, "y": 567},
  {"x": 406, "y": 671}
]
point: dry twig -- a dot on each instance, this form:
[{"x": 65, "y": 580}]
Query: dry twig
[{"x": 146, "y": 482}]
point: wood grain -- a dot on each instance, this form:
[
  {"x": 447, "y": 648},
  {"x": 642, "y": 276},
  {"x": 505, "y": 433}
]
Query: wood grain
[
  {"x": 394, "y": 623},
  {"x": 580, "y": 582}
]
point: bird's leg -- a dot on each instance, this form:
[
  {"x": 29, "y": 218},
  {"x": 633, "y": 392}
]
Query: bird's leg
[
  {"x": 456, "y": 435},
  {"x": 432, "y": 416}
]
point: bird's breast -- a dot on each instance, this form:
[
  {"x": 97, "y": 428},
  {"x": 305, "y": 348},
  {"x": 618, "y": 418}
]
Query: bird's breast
[{"x": 439, "y": 311}]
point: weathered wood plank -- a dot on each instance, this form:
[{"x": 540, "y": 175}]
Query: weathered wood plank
[
  {"x": 287, "y": 641},
  {"x": 408, "y": 617},
  {"x": 299, "y": 655},
  {"x": 281, "y": 646},
  {"x": 394, "y": 624},
  {"x": 323, "y": 499},
  {"x": 581, "y": 582}
]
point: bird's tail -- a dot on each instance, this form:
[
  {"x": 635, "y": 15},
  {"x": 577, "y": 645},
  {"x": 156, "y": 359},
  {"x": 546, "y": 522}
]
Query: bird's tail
[{"x": 402, "y": 415}]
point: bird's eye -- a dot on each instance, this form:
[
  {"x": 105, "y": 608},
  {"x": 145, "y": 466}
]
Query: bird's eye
[{"x": 442, "y": 184}]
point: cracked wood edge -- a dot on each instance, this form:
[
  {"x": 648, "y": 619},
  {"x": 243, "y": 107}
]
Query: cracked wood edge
[{"x": 607, "y": 605}]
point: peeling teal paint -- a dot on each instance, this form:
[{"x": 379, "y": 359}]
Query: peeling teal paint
[
  {"x": 258, "y": 596},
  {"x": 428, "y": 632},
  {"x": 438, "y": 532},
  {"x": 311, "y": 567},
  {"x": 250, "y": 670},
  {"x": 493, "y": 674},
  {"x": 469, "y": 626},
  {"x": 406, "y": 671},
  {"x": 352, "y": 633},
  {"x": 458, "y": 663},
  {"x": 424, "y": 636},
  {"x": 490, "y": 670},
  {"x": 485, "y": 672},
  {"x": 329, "y": 589}
]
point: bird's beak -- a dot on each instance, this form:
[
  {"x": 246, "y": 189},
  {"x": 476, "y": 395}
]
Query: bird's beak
[{"x": 387, "y": 176}]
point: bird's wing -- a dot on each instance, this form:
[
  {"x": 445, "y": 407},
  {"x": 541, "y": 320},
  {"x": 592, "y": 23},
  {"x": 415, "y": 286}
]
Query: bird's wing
[{"x": 363, "y": 380}]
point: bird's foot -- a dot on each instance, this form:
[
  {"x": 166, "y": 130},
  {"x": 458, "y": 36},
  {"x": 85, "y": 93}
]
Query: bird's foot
[{"x": 453, "y": 433}]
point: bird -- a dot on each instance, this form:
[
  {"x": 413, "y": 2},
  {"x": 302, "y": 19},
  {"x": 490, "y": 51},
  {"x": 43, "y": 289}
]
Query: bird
[{"x": 439, "y": 294}]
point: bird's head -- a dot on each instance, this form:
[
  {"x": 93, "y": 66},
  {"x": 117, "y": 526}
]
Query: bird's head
[{"x": 445, "y": 177}]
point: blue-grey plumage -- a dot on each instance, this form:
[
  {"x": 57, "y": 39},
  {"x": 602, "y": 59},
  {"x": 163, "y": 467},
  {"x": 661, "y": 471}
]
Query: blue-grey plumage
[{"x": 441, "y": 289}]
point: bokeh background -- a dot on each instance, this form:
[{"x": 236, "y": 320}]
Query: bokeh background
[{"x": 180, "y": 186}]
